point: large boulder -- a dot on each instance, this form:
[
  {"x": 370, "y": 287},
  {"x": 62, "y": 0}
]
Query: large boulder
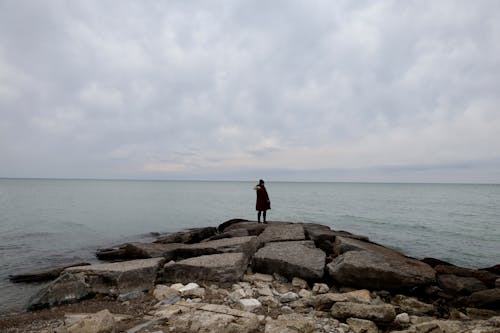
[
  {"x": 131, "y": 251},
  {"x": 68, "y": 288},
  {"x": 222, "y": 227},
  {"x": 189, "y": 236},
  {"x": 488, "y": 278},
  {"x": 250, "y": 228},
  {"x": 279, "y": 232},
  {"x": 223, "y": 268},
  {"x": 42, "y": 275},
  {"x": 489, "y": 298},
  {"x": 345, "y": 244},
  {"x": 121, "y": 277},
  {"x": 291, "y": 259},
  {"x": 457, "y": 285},
  {"x": 246, "y": 245},
  {"x": 375, "y": 270}
]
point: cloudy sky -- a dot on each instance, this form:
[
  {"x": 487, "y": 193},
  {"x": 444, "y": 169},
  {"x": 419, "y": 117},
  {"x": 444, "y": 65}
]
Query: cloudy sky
[{"x": 281, "y": 90}]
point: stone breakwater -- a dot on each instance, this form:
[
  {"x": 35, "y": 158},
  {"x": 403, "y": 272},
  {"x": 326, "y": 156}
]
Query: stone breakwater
[{"x": 243, "y": 276}]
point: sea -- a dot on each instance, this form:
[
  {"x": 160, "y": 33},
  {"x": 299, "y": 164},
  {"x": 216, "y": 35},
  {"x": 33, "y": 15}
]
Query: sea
[{"x": 50, "y": 222}]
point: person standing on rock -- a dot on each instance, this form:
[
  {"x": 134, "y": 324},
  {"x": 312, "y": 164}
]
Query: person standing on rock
[{"x": 263, "y": 203}]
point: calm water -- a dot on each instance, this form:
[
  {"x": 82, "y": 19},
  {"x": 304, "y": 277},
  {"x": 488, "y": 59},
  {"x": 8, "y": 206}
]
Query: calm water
[{"x": 50, "y": 222}]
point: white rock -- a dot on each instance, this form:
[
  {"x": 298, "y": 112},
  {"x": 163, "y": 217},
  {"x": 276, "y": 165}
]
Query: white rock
[
  {"x": 305, "y": 293},
  {"x": 402, "y": 319},
  {"x": 265, "y": 291},
  {"x": 162, "y": 292},
  {"x": 177, "y": 286},
  {"x": 236, "y": 295},
  {"x": 289, "y": 297},
  {"x": 320, "y": 288},
  {"x": 249, "y": 304},
  {"x": 188, "y": 287}
]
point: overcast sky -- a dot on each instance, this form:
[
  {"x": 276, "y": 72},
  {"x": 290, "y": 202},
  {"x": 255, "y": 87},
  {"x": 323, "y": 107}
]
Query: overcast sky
[{"x": 280, "y": 90}]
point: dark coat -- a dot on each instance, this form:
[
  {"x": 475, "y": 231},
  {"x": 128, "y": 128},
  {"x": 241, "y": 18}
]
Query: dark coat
[{"x": 263, "y": 202}]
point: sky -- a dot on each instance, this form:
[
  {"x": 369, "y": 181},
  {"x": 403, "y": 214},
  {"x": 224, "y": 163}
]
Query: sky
[{"x": 369, "y": 91}]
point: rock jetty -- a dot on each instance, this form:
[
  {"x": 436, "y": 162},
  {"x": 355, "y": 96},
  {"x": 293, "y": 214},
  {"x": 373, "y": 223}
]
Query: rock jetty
[{"x": 243, "y": 276}]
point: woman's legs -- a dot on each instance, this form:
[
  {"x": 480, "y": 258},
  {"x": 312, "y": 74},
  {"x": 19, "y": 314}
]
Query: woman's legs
[
  {"x": 258, "y": 216},
  {"x": 263, "y": 215}
]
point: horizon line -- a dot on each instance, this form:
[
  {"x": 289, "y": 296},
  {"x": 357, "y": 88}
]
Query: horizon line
[{"x": 236, "y": 180}]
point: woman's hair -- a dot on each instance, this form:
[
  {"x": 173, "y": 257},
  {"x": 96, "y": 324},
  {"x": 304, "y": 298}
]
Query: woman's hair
[{"x": 261, "y": 182}]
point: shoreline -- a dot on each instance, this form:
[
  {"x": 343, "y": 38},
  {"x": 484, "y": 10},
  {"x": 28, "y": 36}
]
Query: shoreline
[{"x": 249, "y": 249}]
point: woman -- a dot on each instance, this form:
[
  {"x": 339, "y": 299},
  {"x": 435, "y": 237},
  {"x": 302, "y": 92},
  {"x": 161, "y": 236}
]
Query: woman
[{"x": 263, "y": 203}]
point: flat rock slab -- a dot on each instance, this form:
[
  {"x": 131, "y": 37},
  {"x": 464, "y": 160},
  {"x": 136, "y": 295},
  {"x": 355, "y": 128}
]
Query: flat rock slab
[
  {"x": 246, "y": 245},
  {"x": 383, "y": 313},
  {"x": 136, "y": 250},
  {"x": 189, "y": 236},
  {"x": 121, "y": 277},
  {"x": 378, "y": 271},
  {"x": 42, "y": 275},
  {"x": 345, "y": 244},
  {"x": 208, "y": 318},
  {"x": 291, "y": 259},
  {"x": 282, "y": 232},
  {"x": 224, "y": 267}
]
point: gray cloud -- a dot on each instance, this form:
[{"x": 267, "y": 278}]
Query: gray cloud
[{"x": 217, "y": 90}]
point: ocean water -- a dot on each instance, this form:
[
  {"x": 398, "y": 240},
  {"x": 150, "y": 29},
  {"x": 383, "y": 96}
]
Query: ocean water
[{"x": 46, "y": 223}]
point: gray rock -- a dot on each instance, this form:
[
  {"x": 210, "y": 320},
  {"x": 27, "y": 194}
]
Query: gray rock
[
  {"x": 100, "y": 322},
  {"x": 384, "y": 313},
  {"x": 402, "y": 320},
  {"x": 489, "y": 298},
  {"x": 131, "y": 251},
  {"x": 412, "y": 305},
  {"x": 346, "y": 244},
  {"x": 246, "y": 245},
  {"x": 497, "y": 283},
  {"x": 162, "y": 292},
  {"x": 42, "y": 275},
  {"x": 249, "y": 304},
  {"x": 68, "y": 288},
  {"x": 457, "y": 285},
  {"x": 320, "y": 288},
  {"x": 318, "y": 232},
  {"x": 488, "y": 278},
  {"x": 325, "y": 301},
  {"x": 289, "y": 297},
  {"x": 290, "y": 259},
  {"x": 189, "y": 236},
  {"x": 223, "y": 268},
  {"x": 375, "y": 270},
  {"x": 290, "y": 323},
  {"x": 362, "y": 325},
  {"x": 223, "y": 226},
  {"x": 208, "y": 318},
  {"x": 282, "y": 232},
  {"x": 121, "y": 277},
  {"x": 252, "y": 228},
  {"x": 299, "y": 283}
]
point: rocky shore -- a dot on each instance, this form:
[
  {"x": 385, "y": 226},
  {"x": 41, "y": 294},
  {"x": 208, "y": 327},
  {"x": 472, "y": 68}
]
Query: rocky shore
[{"x": 243, "y": 276}]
